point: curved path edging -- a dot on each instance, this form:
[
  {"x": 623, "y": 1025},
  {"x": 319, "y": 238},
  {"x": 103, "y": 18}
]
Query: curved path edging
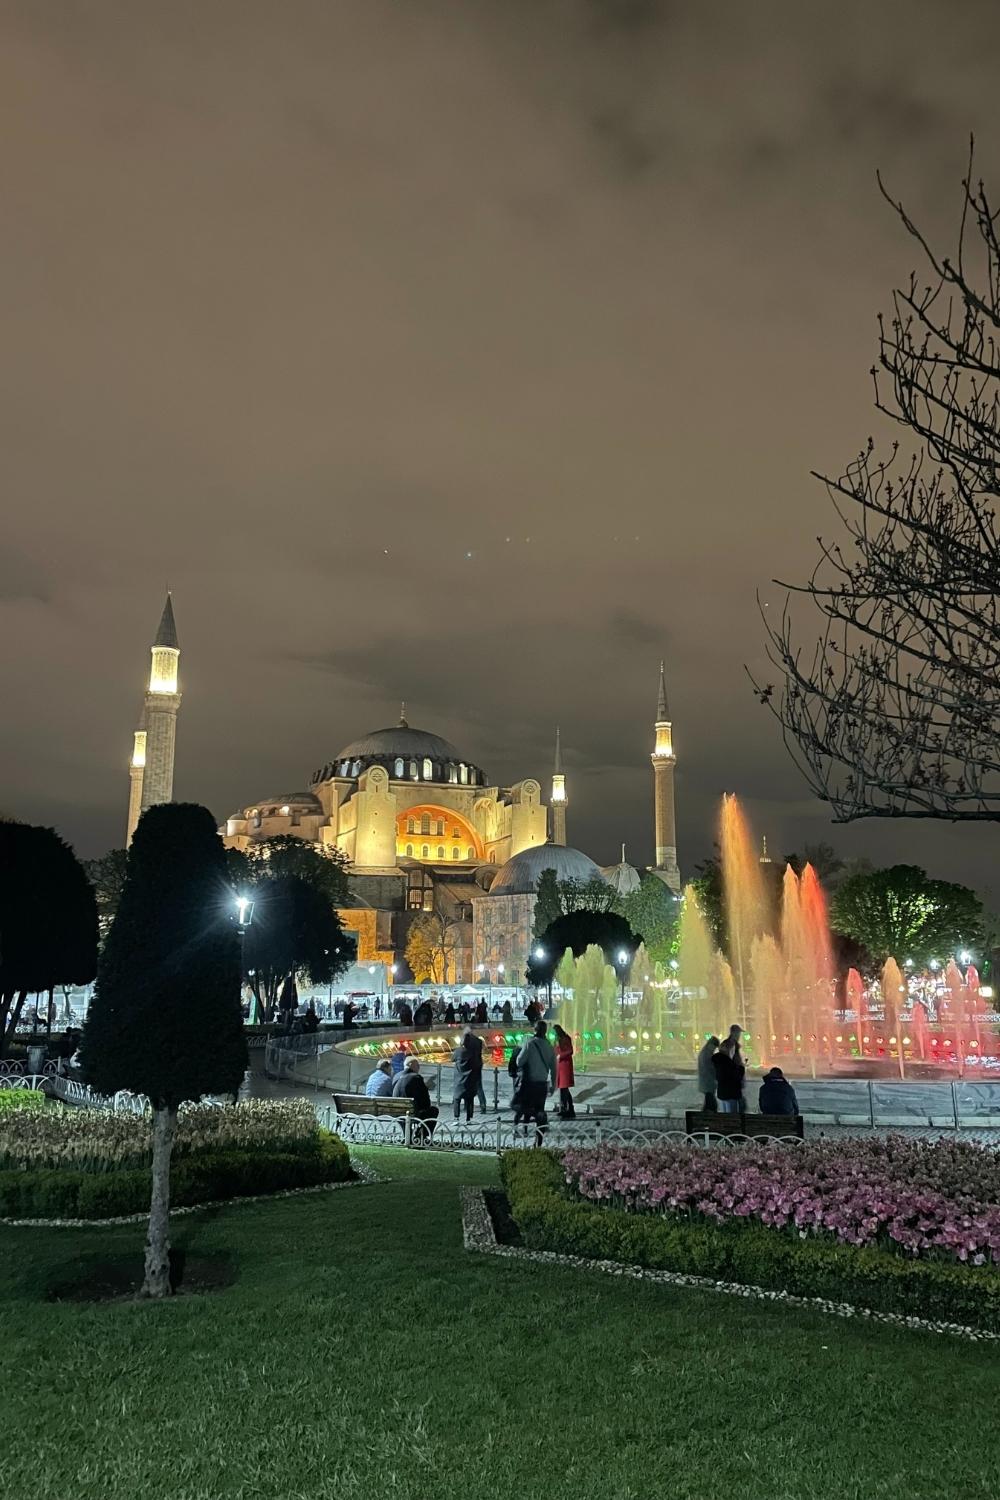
[{"x": 479, "y": 1235}]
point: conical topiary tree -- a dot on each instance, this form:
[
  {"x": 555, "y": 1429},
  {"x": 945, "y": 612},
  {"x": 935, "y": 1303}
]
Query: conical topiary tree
[{"x": 165, "y": 1020}]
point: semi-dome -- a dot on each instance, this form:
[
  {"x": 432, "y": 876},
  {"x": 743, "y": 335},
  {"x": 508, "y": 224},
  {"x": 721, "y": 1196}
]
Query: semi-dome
[
  {"x": 519, "y": 876},
  {"x": 407, "y": 754},
  {"x": 625, "y": 878}
]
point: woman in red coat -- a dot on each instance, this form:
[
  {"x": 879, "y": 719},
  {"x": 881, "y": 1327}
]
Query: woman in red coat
[{"x": 564, "y": 1073}]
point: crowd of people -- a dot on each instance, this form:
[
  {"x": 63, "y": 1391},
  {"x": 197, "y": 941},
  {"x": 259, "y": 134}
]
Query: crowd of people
[
  {"x": 722, "y": 1078},
  {"x": 537, "y": 1069}
]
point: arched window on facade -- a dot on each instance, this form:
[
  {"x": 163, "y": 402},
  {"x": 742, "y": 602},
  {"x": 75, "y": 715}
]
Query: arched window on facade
[
  {"x": 409, "y": 850},
  {"x": 440, "y": 851},
  {"x": 399, "y": 765},
  {"x": 411, "y": 827},
  {"x": 428, "y": 770},
  {"x": 425, "y": 823},
  {"x": 470, "y": 853},
  {"x": 463, "y": 774},
  {"x": 413, "y": 769},
  {"x": 425, "y": 852},
  {"x": 452, "y": 773},
  {"x": 440, "y": 827},
  {"x": 454, "y": 854}
]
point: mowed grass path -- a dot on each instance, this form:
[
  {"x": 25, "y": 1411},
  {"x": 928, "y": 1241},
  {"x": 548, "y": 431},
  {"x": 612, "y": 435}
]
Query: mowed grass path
[{"x": 362, "y": 1353}]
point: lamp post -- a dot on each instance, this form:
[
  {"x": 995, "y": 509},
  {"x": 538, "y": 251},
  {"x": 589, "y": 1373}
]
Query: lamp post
[
  {"x": 244, "y": 916},
  {"x": 540, "y": 956},
  {"x": 499, "y": 977},
  {"x": 622, "y": 972}
]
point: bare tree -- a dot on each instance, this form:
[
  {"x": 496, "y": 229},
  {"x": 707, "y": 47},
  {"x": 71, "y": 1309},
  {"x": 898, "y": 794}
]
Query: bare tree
[{"x": 896, "y": 711}]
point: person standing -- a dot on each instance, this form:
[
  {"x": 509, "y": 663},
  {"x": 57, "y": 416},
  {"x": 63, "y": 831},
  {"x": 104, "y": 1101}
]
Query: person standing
[
  {"x": 565, "y": 1078},
  {"x": 728, "y": 1078},
  {"x": 706, "y": 1074},
  {"x": 468, "y": 1067},
  {"x": 536, "y": 1078},
  {"x": 736, "y": 1037}
]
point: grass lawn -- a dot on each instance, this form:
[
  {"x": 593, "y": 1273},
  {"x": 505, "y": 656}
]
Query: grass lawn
[{"x": 361, "y": 1353}]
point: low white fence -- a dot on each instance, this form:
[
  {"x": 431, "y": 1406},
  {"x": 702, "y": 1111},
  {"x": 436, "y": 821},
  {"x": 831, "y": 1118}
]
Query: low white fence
[{"x": 497, "y": 1134}]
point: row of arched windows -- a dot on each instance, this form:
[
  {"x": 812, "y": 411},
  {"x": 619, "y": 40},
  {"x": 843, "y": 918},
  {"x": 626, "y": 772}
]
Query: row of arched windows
[
  {"x": 423, "y": 769},
  {"x": 425, "y": 826},
  {"x": 425, "y": 852}
]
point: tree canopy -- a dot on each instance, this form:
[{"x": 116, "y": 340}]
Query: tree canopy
[
  {"x": 579, "y": 930},
  {"x": 431, "y": 949},
  {"x": 548, "y": 903},
  {"x": 165, "y": 1019},
  {"x": 287, "y": 855},
  {"x": 894, "y": 709},
  {"x": 901, "y": 912},
  {"x": 107, "y": 876},
  {"x": 294, "y": 930},
  {"x": 653, "y": 911},
  {"x": 48, "y": 919}
]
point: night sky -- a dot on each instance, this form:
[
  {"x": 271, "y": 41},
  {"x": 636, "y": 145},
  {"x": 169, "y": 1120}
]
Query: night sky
[{"x": 470, "y": 353}]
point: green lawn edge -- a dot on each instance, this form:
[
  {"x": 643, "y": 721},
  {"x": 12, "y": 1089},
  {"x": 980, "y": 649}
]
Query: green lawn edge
[{"x": 746, "y": 1253}]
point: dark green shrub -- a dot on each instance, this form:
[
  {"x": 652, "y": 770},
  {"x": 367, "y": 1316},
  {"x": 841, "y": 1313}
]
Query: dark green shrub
[
  {"x": 746, "y": 1253},
  {"x": 204, "y": 1178}
]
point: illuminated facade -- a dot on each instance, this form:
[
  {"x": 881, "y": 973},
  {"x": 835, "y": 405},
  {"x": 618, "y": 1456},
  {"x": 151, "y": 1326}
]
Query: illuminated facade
[
  {"x": 397, "y": 798},
  {"x": 151, "y": 769}
]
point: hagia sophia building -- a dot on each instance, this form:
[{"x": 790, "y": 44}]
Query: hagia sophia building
[{"x": 422, "y": 827}]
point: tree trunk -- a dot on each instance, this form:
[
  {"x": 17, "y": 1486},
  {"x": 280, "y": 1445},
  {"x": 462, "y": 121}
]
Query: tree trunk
[
  {"x": 157, "y": 1282},
  {"x": 11, "y": 1005}
]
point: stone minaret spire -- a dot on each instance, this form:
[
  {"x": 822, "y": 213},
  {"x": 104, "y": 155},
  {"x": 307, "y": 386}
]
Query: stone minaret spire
[
  {"x": 151, "y": 773},
  {"x": 558, "y": 798},
  {"x": 663, "y": 792}
]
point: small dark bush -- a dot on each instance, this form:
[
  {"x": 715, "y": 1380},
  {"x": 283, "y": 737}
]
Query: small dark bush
[
  {"x": 203, "y": 1178},
  {"x": 746, "y": 1253}
]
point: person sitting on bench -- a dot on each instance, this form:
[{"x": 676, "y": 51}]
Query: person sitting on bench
[
  {"x": 410, "y": 1085},
  {"x": 777, "y": 1097}
]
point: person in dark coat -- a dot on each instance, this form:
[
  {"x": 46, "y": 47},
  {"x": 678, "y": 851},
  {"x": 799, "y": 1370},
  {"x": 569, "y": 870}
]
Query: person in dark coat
[
  {"x": 482, "y": 1015},
  {"x": 405, "y": 1014},
  {"x": 467, "y": 1062},
  {"x": 777, "y": 1097},
  {"x": 423, "y": 1016},
  {"x": 706, "y": 1074},
  {"x": 449, "y": 1014},
  {"x": 728, "y": 1078},
  {"x": 506, "y": 1014},
  {"x": 565, "y": 1078}
]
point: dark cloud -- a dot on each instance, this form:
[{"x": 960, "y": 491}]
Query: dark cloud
[{"x": 466, "y": 353}]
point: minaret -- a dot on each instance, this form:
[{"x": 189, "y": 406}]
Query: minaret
[
  {"x": 663, "y": 793},
  {"x": 151, "y": 773},
  {"x": 558, "y": 798}
]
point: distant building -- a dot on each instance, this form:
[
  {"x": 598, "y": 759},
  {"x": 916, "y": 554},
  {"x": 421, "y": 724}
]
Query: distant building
[{"x": 421, "y": 826}]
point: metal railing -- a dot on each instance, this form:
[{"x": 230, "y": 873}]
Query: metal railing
[{"x": 499, "y": 1134}]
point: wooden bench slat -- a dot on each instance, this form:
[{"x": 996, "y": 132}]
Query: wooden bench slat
[{"x": 379, "y": 1104}]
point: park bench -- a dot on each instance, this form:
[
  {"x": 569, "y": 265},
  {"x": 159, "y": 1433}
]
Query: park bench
[
  {"x": 382, "y": 1106},
  {"x": 699, "y": 1121}
]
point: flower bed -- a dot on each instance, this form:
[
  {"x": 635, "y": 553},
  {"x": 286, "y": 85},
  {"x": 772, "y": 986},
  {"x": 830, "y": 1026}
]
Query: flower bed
[
  {"x": 97, "y": 1140},
  {"x": 936, "y": 1199},
  {"x": 740, "y": 1249}
]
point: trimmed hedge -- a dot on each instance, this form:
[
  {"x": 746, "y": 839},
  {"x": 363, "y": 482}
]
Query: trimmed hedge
[
  {"x": 206, "y": 1177},
  {"x": 11, "y": 1099},
  {"x": 747, "y": 1253}
]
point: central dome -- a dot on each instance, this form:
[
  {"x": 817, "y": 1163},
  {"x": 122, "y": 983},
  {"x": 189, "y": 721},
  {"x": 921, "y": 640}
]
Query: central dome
[
  {"x": 400, "y": 740},
  {"x": 519, "y": 876},
  {"x": 407, "y": 754}
]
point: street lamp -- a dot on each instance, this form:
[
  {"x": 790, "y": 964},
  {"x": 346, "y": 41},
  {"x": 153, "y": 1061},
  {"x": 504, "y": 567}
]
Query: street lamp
[
  {"x": 623, "y": 969},
  {"x": 244, "y": 916},
  {"x": 540, "y": 956}
]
